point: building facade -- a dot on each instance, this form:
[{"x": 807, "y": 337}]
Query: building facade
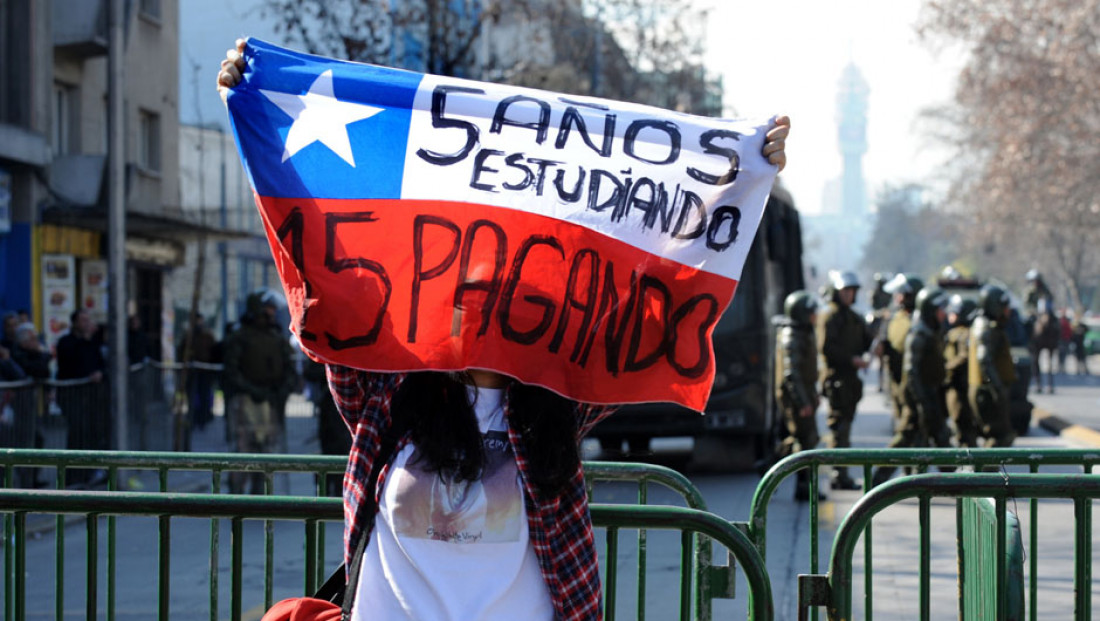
[{"x": 53, "y": 162}]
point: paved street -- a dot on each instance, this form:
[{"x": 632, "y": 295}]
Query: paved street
[{"x": 895, "y": 537}]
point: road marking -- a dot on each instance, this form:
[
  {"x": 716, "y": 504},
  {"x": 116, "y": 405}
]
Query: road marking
[{"x": 1070, "y": 431}]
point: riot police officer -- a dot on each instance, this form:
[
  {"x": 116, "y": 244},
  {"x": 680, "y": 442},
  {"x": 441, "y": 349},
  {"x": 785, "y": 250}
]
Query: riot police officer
[
  {"x": 904, "y": 288},
  {"x": 880, "y": 313},
  {"x": 842, "y": 339},
  {"x": 1036, "y": 290},
  {"x": 956, "y": 352},
  {"x": 796, "y": 379},
  {"x": 259, "y": 372},
  {"x": 991, "y": 370},
  {"x": 923, "y": 374}
]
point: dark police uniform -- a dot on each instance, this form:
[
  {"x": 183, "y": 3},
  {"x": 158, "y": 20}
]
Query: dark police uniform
[
  {"x": 842, "y": 336},
  {"x": 991, "y": 372},
  {"x": 956, "y": 354},
  {"x": 923, "y": 420}
]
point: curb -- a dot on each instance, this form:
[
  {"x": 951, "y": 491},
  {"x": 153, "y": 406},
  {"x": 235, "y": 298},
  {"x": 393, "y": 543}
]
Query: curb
[{"x": 1055, "y": 424}]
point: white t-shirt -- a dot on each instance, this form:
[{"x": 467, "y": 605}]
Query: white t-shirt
[{"x": 443, "y": 550}]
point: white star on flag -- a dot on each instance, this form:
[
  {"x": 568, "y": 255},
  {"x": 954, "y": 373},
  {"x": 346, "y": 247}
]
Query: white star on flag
[{"x": 320, "y": 117}]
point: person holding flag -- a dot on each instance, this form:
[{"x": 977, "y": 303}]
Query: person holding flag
[{"x": 464, "y": 496}]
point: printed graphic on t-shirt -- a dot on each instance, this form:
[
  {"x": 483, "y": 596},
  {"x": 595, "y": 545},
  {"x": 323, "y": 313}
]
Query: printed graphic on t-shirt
[{"x": 429, "y": 505}]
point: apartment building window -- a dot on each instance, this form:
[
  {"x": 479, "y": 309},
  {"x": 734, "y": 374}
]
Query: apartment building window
[
  {"x": 149, "y": 137},
  {"x": 63, "y": 127},
  {"x": 151, "y": 8}
]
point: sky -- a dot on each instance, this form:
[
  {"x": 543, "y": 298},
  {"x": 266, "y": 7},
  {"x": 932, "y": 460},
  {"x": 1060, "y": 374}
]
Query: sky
[{"x": 787, "y": 56}]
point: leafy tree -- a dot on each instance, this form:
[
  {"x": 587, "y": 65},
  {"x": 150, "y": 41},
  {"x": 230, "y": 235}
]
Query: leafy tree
[
  {"x": 1026, "y": 123},
  {"x": 909, "y": 234}
]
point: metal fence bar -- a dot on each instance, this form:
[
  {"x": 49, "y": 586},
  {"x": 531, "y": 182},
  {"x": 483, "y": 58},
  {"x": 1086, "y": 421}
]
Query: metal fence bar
[
  {"x": 1033, "y": 557},
  {"x": 1082, "y": 489},
  {"x": 20, "y": 534},
  {"x": 90, "y": 567},
  {"x": 921, "y": 459},
  {"x": 643, "y": 541},
  {"x": 165, "y": 463},
  {"x": 686, "y": 540},
  {"x": 1082, "y": 584},
  {"x": 611, "y": 590},
  {"x": 164, "y": 584},
  {"x": 238, "y": 508}
]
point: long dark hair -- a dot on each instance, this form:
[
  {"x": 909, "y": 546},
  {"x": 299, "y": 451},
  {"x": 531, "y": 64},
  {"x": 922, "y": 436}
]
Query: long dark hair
[{"x": 444, "y": 428}]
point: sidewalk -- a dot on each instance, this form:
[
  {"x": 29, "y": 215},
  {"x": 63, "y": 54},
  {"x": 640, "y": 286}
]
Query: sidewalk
[{"x": 1073, "y": 411}]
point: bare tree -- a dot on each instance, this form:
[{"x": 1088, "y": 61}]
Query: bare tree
[
  {"x": 909, "y": 234},
  {"x": 1026, "y": 123},
  {"x": 429, "y": 35},
  {"x": 648, "y": 51}
]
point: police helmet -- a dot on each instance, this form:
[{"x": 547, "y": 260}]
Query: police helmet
[
  {"x": 963, "y": 308},
  {"x": 929, "y": 300},
  {"x": 908, "y": 284},
  {"x": 259, "y": 299},
  {"x": 843, "y": 280},
  {"x": 800, "y": 306},
  {"x": 1032, "y": 274},
  {"x": 880, "y": 278},
  {"x": 993, "y": 301}
]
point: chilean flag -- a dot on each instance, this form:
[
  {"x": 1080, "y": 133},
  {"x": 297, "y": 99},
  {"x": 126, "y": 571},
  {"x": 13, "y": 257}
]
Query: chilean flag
[{"x": 425, "y": 222}]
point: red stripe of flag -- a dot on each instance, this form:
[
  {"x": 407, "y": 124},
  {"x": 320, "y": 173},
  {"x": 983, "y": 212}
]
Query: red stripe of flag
[{"x": 399, "y": 285}]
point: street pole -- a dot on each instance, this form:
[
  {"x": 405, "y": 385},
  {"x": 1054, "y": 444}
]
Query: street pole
[{"x": 119, "y": 370}]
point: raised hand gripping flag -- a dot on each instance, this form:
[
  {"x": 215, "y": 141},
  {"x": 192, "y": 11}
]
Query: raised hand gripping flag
[{"x": 424, "y": 222}]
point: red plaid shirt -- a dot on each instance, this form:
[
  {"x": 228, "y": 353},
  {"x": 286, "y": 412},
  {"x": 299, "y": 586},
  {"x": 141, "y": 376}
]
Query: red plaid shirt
[{"x": 560, "y": 526}]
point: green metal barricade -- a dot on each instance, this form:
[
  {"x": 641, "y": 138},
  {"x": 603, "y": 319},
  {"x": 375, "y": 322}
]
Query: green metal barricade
[
  {"x": 207, "y": 469},
  {"x": 982, "y": 539},
  {"x": 920, "y": 461},
  {"x": 204, "y": 472},
  {"x": 834, "y": 590},
  {"x": 166, "y": 508}
]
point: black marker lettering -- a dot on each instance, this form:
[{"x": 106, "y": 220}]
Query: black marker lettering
[
  {"x": 731, "y": 156},
  {"x": 419, "y": 273},
  {"x": 717, "y": 219},
  {"x": 668, "y": 127},
  {"x": 439, "y": 104},
  {"x": 690, "y": 201},
  {"x": 491, "y": 287},
  {"x": 480, "y": 167},
  {"x": 515, "y": 160},
  {"x": 573, "y": 117},
  {"x": 335, "y": 265},
  {"x": 294, "y": 225},
  {"x": 684, "y": 311},
  {"x": 505, "y": 312},
  {"x": 587, "y": 306},
  {"x": 632, "y": 363},
  {"x": 540, "y": 126}
]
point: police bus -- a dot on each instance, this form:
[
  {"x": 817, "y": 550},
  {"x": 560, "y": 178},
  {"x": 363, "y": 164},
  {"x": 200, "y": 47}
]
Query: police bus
[{"x": 741, "y": 422}]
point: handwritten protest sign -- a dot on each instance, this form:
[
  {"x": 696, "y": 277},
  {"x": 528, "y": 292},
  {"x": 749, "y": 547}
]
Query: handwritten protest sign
[{"x": 423, "y": 222}]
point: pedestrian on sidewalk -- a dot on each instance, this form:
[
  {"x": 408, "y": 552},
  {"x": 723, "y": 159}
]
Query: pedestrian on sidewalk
[
  {"x": 1079, "y": 351},
  {"x": 796, "y": 379},
  {"x": 84, "y": 404}
]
